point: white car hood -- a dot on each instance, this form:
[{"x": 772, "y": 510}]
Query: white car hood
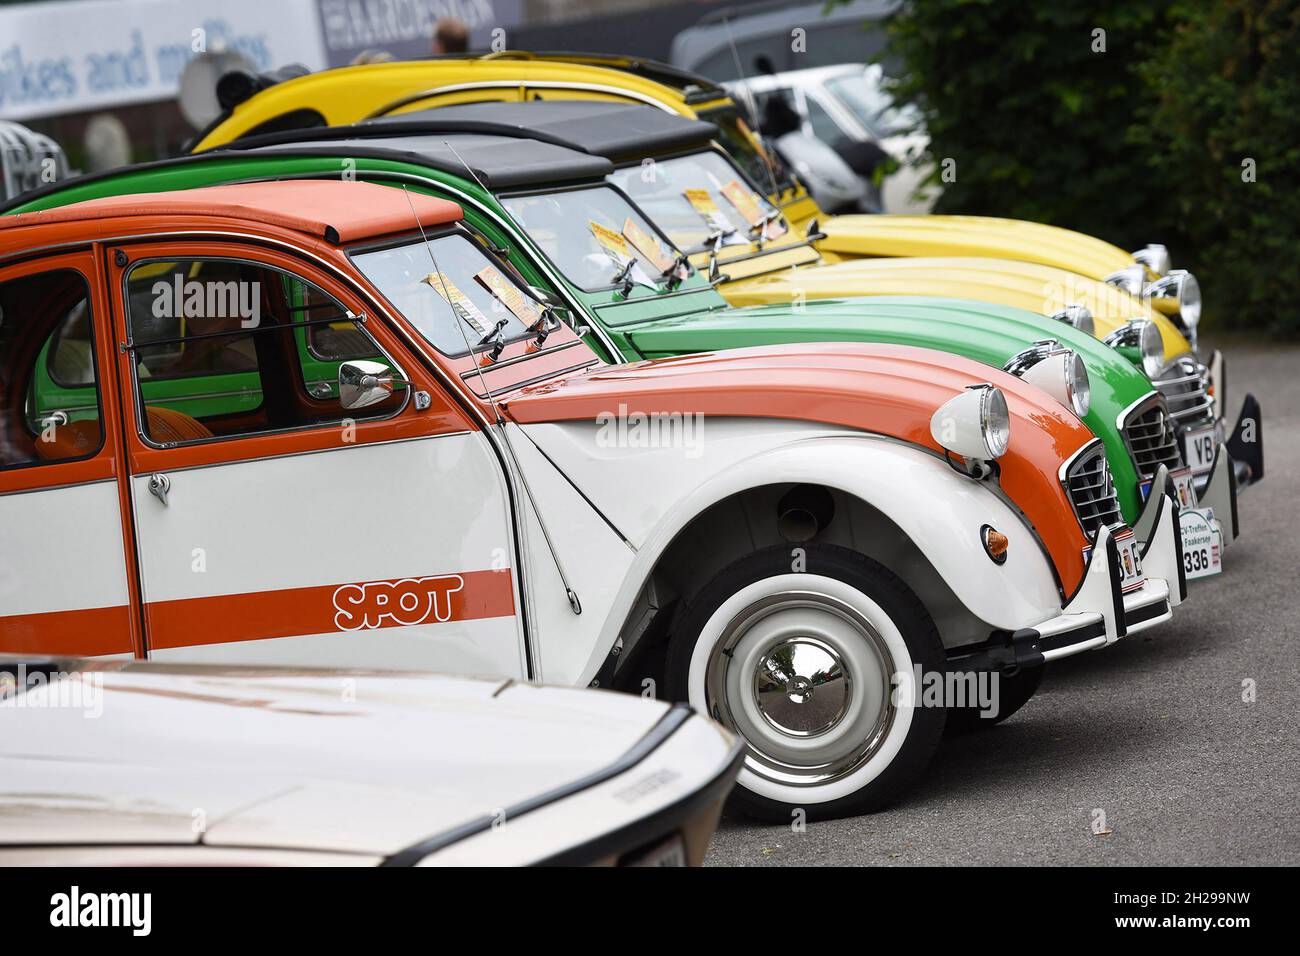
[{"x": 334, "y": 762}]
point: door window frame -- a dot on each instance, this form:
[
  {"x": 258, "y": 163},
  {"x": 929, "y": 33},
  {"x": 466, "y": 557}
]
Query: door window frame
[
  {"x": 443, "y": 415},
  {"x": 98, "y": 465}
]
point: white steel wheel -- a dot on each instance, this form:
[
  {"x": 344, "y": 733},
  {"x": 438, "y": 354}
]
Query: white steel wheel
[{"x": 802, "y": 665}]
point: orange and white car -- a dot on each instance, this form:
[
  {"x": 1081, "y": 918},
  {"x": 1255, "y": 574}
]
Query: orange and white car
[{"x": 787, "y": 538}]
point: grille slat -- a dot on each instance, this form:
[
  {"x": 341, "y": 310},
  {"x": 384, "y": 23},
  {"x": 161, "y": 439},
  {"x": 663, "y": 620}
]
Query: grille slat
[
  {"x": 1092, "y": 491},
  {"x": 1185, "y": 387},
  {"x": 1153, "y": 440}
]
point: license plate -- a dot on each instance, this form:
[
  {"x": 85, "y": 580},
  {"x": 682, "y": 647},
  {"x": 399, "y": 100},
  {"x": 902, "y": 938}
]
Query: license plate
[
  {"x": 669, "y": 853},
  {"x": 1202, "y": 543},
  {"x": 1185, "y": 487},
  {"x": 1184, "y": 480},
  {"x": 1130, "y": 560},
  {"x": 1198, "y": 449}
]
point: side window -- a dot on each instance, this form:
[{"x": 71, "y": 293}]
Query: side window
[
  {"x": 823, "y": 124},
  {"x": 228, "y": 348},
  {"x": 44, "y": 323}
]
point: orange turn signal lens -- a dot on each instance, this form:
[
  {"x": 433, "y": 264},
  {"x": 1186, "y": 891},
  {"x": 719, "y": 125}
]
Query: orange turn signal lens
[{"x": 995, "y": 543}]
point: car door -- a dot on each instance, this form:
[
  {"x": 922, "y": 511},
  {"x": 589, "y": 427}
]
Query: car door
[
  {"x": 63, "y": 571},
  {"x": 275, "y": 525}
]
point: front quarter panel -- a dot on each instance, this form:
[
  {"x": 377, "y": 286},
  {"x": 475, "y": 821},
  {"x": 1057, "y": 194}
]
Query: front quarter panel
[{"x": 652, "y": 494}]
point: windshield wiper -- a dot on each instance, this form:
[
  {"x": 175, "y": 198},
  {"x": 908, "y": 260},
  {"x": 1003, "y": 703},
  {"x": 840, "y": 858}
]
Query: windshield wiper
[
  {"x": 714, "y": 243},
  {"x": 624, "y": 276},
  {"x": 758, "y": 234},
  {"x": 673, "y": 273},
  {"x": 496, "y": 339}
]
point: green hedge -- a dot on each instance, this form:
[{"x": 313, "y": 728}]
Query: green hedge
[{"x": 1144, "y": 142}]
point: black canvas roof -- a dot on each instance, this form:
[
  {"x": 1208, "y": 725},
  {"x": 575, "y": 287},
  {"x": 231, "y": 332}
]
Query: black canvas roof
[
  {"x": 617, "y": 131},
  {"x": 501, "y": 162}
]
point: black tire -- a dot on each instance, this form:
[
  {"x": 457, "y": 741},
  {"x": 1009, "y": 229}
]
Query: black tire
[
  {"x": 1014, "y": 692},
  {"x": 906, "y": 612}
]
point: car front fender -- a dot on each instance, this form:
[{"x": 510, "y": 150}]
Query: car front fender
[{"x": 652, "y": 496}]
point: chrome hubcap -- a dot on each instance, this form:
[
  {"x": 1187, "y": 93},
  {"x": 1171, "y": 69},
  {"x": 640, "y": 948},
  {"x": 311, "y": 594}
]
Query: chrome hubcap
[
  {"x": 805, "y": 679},
  {"x": 802, "y": 687}
]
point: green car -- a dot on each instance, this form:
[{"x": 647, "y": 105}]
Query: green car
[{"x": 560, "y": 222}]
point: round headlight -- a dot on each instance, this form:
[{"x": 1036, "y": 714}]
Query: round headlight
[
  {"x": 1152, "y": 348},
  {"x": 1078, "y": 316},
  {"x": 1155, "y": 257},
  {"x": 1058, "y": 371},
  {"x": 1131, "y": 279},
  {"x": 1080, "y": 388},
  {"x": 1189, "y": 300},
  {"x": 1142, "y": 335},
  {"x": 975, "y": 424},
  {"x": 995, "y": 419}
]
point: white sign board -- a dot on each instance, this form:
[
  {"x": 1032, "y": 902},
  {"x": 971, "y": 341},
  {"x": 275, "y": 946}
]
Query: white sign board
[{"x": 68, "y": 56}]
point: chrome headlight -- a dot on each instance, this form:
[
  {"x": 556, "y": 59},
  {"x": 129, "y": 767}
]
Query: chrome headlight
[
  {"x": 1181, "y": 286},
  {"x": 1132, "y": 279},
  {"x": 975, "y": 424},
  {"x": 1057, "y": 370},
  {"x": 1077, "y": 316},
  {"x": 1154, "y": 256},
  {"x": 1142, "y": 335}
]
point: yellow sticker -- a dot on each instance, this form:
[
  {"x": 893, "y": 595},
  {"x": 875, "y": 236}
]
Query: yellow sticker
[
  {"x": 461, "y": 304},
  {"x": 650, "y": 247},
  {"x": 613, "y": 242},
  {"x": 746, "y": 203},
  {"x": 701, "y": 201},
  {"x": 509, "y": 295}
]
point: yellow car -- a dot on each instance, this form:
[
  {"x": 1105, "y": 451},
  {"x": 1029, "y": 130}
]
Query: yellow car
[{"x": 1053, "y": 271}]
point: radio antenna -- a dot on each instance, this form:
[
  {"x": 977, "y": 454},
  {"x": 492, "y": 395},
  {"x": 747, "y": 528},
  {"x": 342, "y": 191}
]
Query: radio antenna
[
  {"x": 574, "y": 604},
  {"x": 753, "y": 106}
]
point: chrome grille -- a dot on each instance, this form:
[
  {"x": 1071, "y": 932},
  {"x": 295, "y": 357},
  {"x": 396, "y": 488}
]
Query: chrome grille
[
  {"x": 1152, "y": 439},
  {"x": 1091, "y": 490},
  {"x": 1185, "y": 385}
]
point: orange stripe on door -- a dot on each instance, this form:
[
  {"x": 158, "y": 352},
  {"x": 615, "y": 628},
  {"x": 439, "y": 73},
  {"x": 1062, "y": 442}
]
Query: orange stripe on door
[
  {"x": 343, "y": 608},
  {"x": 84, "y": 632}
]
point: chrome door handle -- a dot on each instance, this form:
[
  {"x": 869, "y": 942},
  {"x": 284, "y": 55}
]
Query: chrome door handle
[{"x": 159, "y": 485}]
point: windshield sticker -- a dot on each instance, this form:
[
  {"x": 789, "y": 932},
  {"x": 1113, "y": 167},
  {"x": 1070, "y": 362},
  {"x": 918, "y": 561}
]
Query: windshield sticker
[
  {"x": 460, "y": 303},
  {"x": 746, "y": 203},
  {"x": 701, "y": 201},
  {"x": 616, "y": 246},
  {"x": 650, "y": 247},
  {"x": 508, "y": 294},
  {"x": 749, "y": 206}
]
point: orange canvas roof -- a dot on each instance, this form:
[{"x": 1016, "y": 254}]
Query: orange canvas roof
[{"x": 333, "y": 210}]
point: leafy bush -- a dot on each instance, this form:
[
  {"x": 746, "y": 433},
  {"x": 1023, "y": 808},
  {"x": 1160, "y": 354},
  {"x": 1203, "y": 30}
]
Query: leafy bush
[
  {"x": 1223, "y": 126},
  {"x": 1138, "y": 141}
]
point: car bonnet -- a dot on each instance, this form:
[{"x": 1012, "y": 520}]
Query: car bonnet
[
  {"x": 881, "y": 389},
  {"x": 345, "y": 761},
  {"x": 1025, "y": 285},
  {"x": 863, "y": 235}
]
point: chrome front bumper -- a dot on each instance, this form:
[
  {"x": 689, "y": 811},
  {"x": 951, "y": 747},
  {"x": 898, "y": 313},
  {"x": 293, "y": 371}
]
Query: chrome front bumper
[{"x": 1100, "y": 613}]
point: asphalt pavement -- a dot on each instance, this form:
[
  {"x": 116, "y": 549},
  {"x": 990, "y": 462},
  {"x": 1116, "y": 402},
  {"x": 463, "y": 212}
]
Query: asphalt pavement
[{"x": 1153, "y": 732}]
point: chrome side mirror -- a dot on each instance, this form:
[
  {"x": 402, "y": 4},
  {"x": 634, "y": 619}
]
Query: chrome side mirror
[{"x": 363, "y": 383}]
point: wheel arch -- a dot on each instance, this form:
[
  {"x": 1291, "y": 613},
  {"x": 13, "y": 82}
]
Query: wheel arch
[{"x": 894, "y": 502}]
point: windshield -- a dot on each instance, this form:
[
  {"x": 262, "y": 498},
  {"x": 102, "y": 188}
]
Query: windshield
[
  {"x": 691, "y": 197},
  {"x": 484, "y": 294},
  {"x": 593, "y": 234},
  {"x": 864, "y": 95}
]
